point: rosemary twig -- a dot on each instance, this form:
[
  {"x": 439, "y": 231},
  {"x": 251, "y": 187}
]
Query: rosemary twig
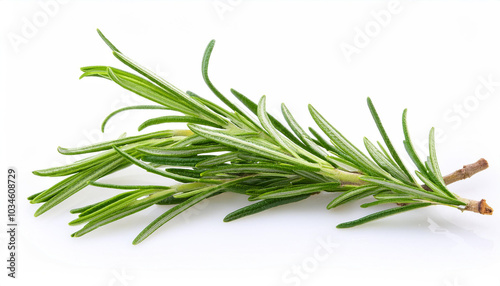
[{"x": 231, "y": 150}]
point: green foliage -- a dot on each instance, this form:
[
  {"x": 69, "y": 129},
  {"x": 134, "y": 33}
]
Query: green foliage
[{"x": 248, "y": 152}]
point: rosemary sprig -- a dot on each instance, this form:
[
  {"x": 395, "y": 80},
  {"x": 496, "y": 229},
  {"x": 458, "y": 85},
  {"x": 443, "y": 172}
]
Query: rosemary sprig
[{"x": 234, "y": 151}]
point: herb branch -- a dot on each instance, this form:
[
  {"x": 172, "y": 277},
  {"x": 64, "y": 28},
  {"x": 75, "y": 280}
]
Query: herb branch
[{"x": 248, "y": 152}]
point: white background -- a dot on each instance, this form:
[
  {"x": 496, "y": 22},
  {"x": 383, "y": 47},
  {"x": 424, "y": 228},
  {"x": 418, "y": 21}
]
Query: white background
[{"x": 429, "y": 57}]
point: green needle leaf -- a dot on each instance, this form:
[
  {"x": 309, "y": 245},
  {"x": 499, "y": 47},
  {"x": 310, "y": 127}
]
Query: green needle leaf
[
  {"x": 91, "y": 175},
  {"x": 262, "y": 206},
  {"x": 129, "y": 187},
  {"x": 355, "y": 193},
  {"x": 135, "y": 107},
  {"x": 161, "y": 172},
  {"x": 252, "y": 106},
  {"x": 218, "y": 160},
  {"x": 203, "y": 110},
  {"x": 300, "y": 190},
  {"x": 182, "y": 151},
  {"x": 107, "y": 204},
  {"x": 55, "y": 189},
  {"x": 82, "y": 209},
  {"x": 409, "y": 146},
  {"x": 171, "y": 213},
  {"x": 119, "y": 211},
  {"x": 204, "y": 71},
  {"x": 325, "y": 144},
  {"x": 92, "y": 161},
  {"x": 171, "y": 201},
  {"x": 347, "y": 147},
  {"x": 175, "y": 118},
  {"x": 251, "y": 168},
  {"x": 418, "y": 193},
  {"x": 434, "y": 166},
  {"x": 139, "y": 86},
  {"x": 312, "y": 146},
  {"x": 119, "y": 142},
  {"x": 239, "y": 121},
  {"x": 432, "y": 186},
  {"x": 268, "y": 126},
  {"x": 387, "y": 141},
  {"x": 389, "y": 201},
  {"x": 382, "y": 214},
  {"x": 384, "y": 162},
  {"x": 177, "y": 161},
  {"x": 162, "y": 83},
  {"x": 110, "y": 45},
  {"x": 251, "y": 147}
]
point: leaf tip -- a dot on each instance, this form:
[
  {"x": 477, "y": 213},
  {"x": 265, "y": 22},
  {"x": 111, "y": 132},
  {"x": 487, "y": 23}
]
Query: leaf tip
[
  {"x": 141, "y": 127},
  {"x": 342, "y": 225},
  {"x": 62, "y": 150},
  {"x": 108, "y": 43},
  {"x": 73, "y": 222},
  {"x": 311, "y": 108},
  {"x": 138, "y": 240},
  {"x": 39, "y": 211},
  {"x": 76, "y": 234}
]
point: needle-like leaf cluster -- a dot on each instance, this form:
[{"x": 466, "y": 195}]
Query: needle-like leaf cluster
[{"x": 244, "y": 151}]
